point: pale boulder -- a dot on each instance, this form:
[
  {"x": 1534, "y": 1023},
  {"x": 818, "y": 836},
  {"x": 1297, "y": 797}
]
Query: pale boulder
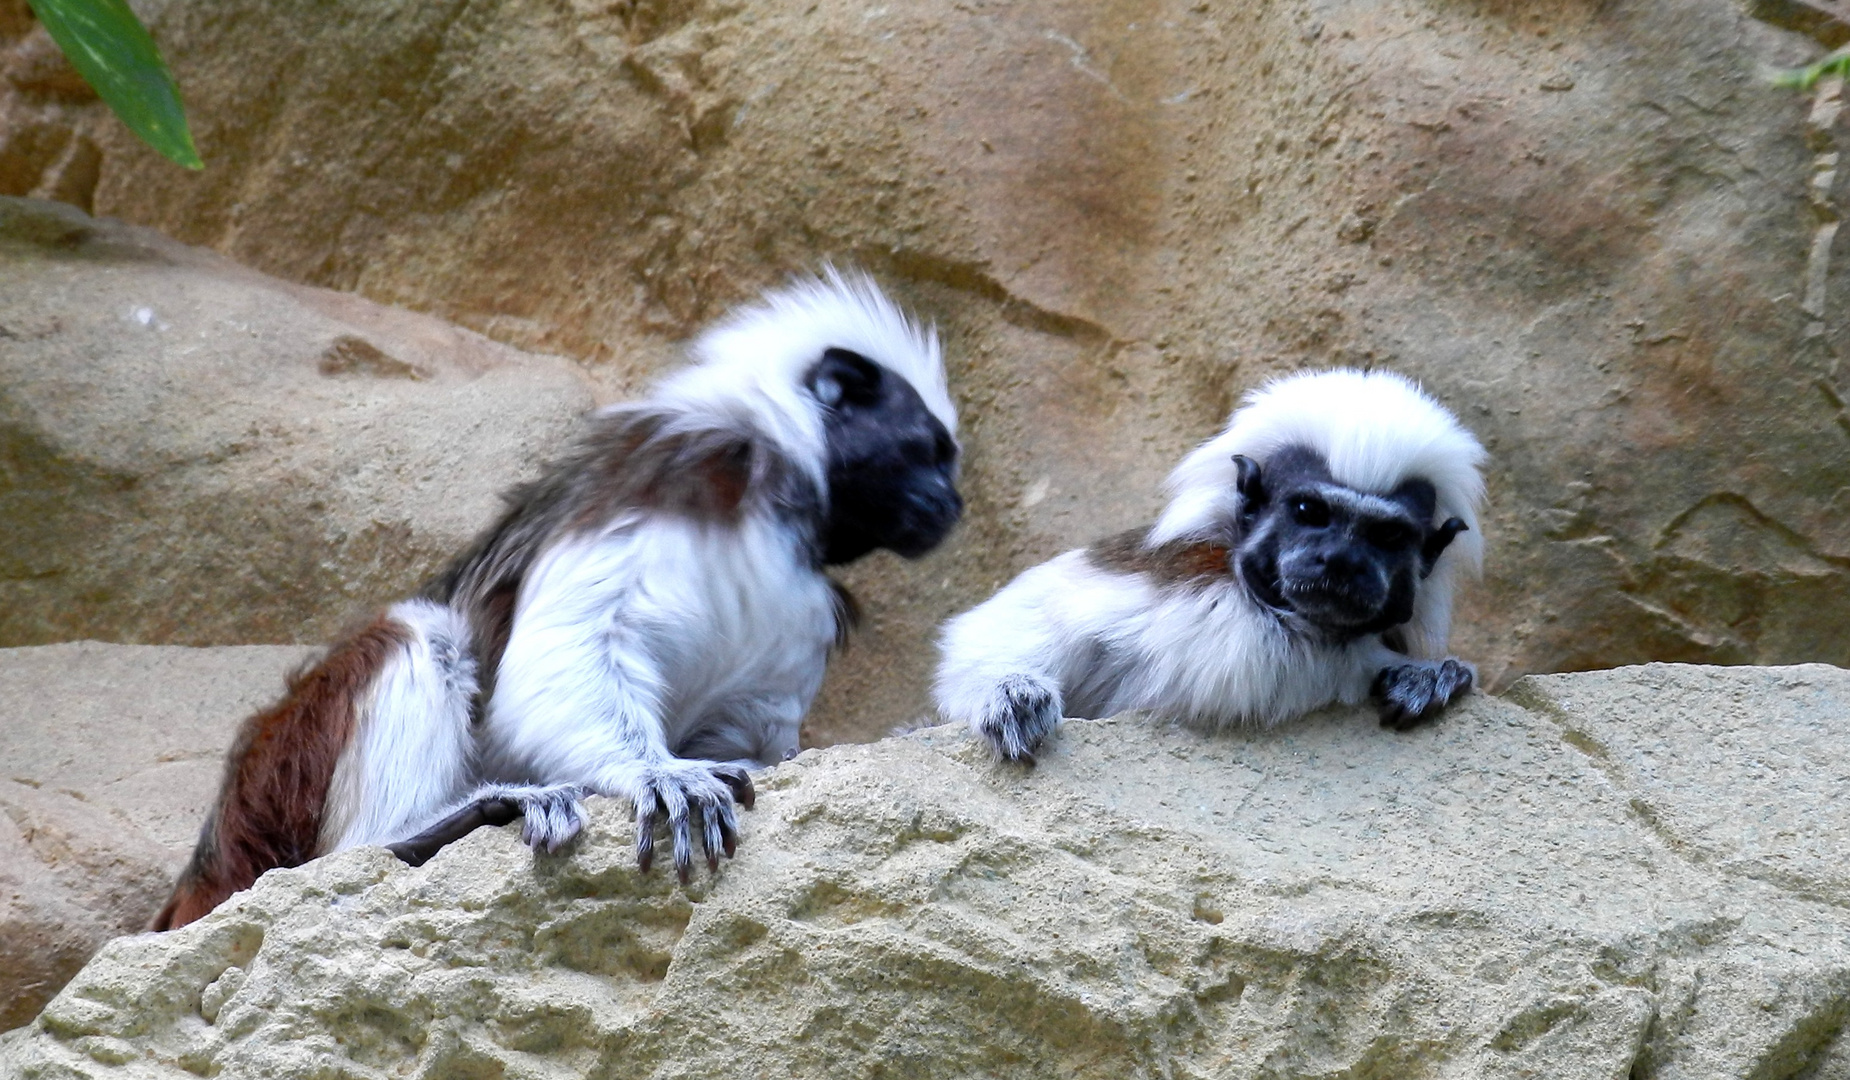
[{"x": 1610, "y": 875}]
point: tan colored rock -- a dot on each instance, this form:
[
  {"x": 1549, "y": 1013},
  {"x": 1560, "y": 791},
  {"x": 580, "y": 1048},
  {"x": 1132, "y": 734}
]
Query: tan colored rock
[
  {"x": 1610, "y": 875},
  {"x": 198, "y": 454},
  {"x": 44, "y": 105},
  {"x": 1596, "y": 231},
  {"x": 109, "y": 758}
]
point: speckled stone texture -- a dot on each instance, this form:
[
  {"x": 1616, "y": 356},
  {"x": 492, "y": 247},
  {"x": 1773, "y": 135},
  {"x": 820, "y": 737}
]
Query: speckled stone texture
[{"x": 1630, "y": 874}]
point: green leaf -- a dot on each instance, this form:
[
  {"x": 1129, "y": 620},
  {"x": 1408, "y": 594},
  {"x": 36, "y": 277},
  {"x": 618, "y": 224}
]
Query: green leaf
[
  {"x": 1836, "y": 63},
  {"x": 113, "y": 52}
]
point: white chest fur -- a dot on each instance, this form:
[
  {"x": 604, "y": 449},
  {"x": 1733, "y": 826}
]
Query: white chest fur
[
  {"x": 1212, "y": 656},
  {"x": 661, "y": 624}
]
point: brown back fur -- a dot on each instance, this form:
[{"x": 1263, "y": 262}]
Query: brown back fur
[
  {"x": 1197, "y": 562},
  {"x": 632, "y": 458},
  {"x": 270, "y": 806}
]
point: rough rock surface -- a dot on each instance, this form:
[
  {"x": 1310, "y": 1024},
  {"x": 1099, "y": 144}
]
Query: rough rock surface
[
  {"x": 1594, "y": 229},
  {"x": 1635, "y": 874},
  {"x": 194, "y": 453},
  {"x": 109, "y": 758}
]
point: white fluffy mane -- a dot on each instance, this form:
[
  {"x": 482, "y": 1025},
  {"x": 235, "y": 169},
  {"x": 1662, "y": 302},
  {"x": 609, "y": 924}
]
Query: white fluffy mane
[
  {"x": 1376, "y": 429},
  {"x": 749, "y": 366}
]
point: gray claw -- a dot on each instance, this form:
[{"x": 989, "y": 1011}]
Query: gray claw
[{"x": 645, "y": 833}]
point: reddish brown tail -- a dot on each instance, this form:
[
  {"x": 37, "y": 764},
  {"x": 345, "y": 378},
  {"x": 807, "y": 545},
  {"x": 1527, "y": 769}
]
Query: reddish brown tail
[{"x": 271, "y": 805}]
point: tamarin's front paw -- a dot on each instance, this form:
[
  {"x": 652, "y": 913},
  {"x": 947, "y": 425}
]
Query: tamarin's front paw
[
  {"x": 1409, "y": 694},
  {"x": 1020, "y": 718},
  {"x": 691, "y": 795}
]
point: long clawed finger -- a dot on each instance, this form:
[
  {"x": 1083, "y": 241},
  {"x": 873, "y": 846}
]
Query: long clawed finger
[
  {"x": 711, "y": 836},
  {"x": 1400, "y": 715},
  {"x": 741, "y": 784},
  {"x": 645, "y": 831},
  {"x": 683, "y": 854},
  {"x": 722, "y": 835},
  {"x": 1407, "y": 715},
  {"x": 564, "y": 823},
  {"x": 683, "y": 842},
  {"x": 729, "y": 831},
  {"x": 546, "y": 826},
  {"x": 1454, "y": 679}
]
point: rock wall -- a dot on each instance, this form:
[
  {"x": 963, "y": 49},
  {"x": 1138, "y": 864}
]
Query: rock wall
[
  {"x": 1634, "y": 873},
  {"x": 1595, "y": 230},
  {"x": 112, "y": 755}
]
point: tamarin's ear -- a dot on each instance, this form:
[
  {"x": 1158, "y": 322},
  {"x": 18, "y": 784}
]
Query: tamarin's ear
[
  {"x": 1247, "y": 482},
  {"x": 845, "y": 377},
  {"x": 1438, "y": 540}
]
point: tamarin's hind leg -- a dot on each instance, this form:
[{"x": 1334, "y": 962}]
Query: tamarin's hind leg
[
  {"x": 412, "y": 752},
  {"x": 371, "y": 738},
  {"x": 408, "y": 780},
  {"x": 270, "y": 806},
  {"x": 1021, "y": 711}
]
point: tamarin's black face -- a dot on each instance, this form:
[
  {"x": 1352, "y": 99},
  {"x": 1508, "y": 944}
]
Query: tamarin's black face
[
  {"x": 1349, "y": 562},
  {"x": 892, "y": 465}
]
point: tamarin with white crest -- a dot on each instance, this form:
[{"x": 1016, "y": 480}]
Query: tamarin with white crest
[
  {"x": 1308, "y": 555},
  {"x": 649, "y": 620}
]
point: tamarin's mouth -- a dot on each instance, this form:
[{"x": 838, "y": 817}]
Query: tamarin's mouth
[{"x": 1350, "y": 600}]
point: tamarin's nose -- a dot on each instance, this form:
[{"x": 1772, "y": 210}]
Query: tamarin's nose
[{"x": 1338, "y": 563}]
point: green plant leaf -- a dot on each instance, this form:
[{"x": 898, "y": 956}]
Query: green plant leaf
[
  {"x": 108, "y": 46},
  {"x": 1836, "y": 63}
]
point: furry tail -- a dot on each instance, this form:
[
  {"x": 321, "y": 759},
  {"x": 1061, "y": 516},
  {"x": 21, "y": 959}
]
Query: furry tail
[{"x": 271, "y": 804}]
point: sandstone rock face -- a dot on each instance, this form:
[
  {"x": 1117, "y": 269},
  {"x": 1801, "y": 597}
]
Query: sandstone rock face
[
  {"x": 110, "y": 756},
  {"x": 1594, "y": 230},
  {"x": 196, "y": 454},
  {"x": 1635, "y": 873}
]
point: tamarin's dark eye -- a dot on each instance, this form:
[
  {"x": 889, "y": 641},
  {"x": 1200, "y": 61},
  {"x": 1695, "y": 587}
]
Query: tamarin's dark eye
[
  {"x": 1312, "y": 513},
  {"x": 947, "y": 450},
  {"x": 1388, "y": 535}
]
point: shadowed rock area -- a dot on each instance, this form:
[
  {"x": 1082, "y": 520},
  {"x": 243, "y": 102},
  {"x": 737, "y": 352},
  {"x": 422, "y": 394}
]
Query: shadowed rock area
[
  {"x": 1634, "y": 873},
  {"x": 195, "y": 453}
]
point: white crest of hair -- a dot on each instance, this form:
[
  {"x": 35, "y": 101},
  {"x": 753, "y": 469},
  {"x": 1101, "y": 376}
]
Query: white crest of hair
[
  {"x": 1375, "y": 430},
  {"x": 749, "y": 367}
]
